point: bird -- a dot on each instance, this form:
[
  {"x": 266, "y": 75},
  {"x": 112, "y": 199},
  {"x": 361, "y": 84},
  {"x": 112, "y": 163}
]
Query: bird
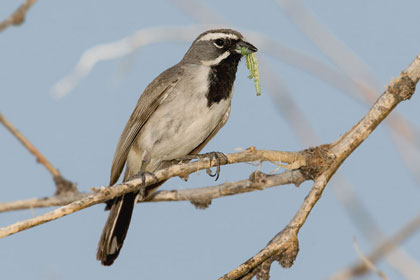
[{"x": 177, "y": 114}]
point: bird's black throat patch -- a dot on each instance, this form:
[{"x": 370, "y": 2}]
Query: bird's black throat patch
[{"x": 221, "y": 79}]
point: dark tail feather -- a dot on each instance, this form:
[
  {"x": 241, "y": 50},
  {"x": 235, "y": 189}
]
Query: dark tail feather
[{"x": 116, "y": 228}]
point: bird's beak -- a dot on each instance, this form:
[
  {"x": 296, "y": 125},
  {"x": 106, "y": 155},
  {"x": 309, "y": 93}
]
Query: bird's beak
[{"x": 244, "y": 48}]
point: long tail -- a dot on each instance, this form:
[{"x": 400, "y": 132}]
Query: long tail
[{"x": 116, "y": 228}]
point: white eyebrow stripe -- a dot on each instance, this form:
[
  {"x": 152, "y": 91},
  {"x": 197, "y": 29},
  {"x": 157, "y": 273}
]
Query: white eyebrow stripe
[
  {"x": 217, "y": 60},
  {"x": 214, "y": 36}
]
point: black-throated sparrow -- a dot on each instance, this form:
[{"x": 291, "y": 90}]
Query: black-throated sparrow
[{"x": 177, "y": 115}]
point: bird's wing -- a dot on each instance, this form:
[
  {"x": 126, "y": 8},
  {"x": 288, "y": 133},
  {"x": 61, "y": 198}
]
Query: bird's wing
[
  {"x": 212, "y": 133},
  {"x": 151, "y": 98}
]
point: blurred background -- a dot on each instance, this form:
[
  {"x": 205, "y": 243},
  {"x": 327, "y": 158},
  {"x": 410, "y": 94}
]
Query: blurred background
[{"x": 322, "y": 65}]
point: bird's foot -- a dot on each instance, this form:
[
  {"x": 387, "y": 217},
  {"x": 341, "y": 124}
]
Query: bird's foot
[
  {"x": 218, "y": 156},
  {"x": 142, "y": 175}
]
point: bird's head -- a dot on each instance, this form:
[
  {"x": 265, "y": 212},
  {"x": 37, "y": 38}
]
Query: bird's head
[{"x": 216, "y": 45}]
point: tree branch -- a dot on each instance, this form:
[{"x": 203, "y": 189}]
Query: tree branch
[
  {"x": 284, "y": 246},
  {"x": 200, "y": 197},
  {"x": 18, "y": 17},
  {"x": 62, "y": 184},
  {"x": 294, "y": 159}
]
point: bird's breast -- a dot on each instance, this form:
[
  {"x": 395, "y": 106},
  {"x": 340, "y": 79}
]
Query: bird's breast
[{"x": 183, "y": 121}]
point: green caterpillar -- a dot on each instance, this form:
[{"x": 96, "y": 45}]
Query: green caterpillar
[{"x": 252, "y": 65}]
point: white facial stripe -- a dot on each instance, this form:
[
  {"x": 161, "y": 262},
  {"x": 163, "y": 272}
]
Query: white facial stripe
[
  {"x": 217, "y": 60},
  {"x": 214, "y": 36}
]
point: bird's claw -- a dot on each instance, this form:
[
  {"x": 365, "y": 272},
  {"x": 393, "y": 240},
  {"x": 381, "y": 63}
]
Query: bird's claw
[
  {"x": 214, "y": 156},
  {"x": 217, "y": 156}
]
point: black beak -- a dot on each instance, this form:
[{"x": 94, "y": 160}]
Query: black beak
[{"x": 242, "y": 45}]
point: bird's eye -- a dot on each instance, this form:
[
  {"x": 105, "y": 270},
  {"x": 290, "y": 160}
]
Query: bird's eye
[{"x": 219, "y": 43}]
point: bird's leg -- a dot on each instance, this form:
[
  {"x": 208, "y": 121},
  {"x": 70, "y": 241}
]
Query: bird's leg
[{"x": 142, "y": 175}]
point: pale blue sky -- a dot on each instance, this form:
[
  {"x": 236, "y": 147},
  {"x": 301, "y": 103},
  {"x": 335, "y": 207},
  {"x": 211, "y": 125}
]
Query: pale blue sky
[{"x": 79, "y": 132}]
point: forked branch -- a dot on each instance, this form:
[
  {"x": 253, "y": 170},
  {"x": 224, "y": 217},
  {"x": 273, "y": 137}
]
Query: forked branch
[{"x": 284, "y": 246}]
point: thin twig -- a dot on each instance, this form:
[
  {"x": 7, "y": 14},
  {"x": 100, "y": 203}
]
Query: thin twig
[
  {"x": 29, "y": 146},
  {"x": 367, "y": 262},
  {"x": 63, "y": 185},
  {"x": 380, "y": 251},
  {"x": 399, "y": 259},
  {"x": 18, "y": 17}
]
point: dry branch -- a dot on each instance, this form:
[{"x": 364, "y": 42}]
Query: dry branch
[
  {"x": 197, "y": 196},
  {"x": 18, "y": 17},
  {"x": 62, "y": 184},
  {"x": 284, "y": 246},
  {"x": 294, "y": 159}
]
